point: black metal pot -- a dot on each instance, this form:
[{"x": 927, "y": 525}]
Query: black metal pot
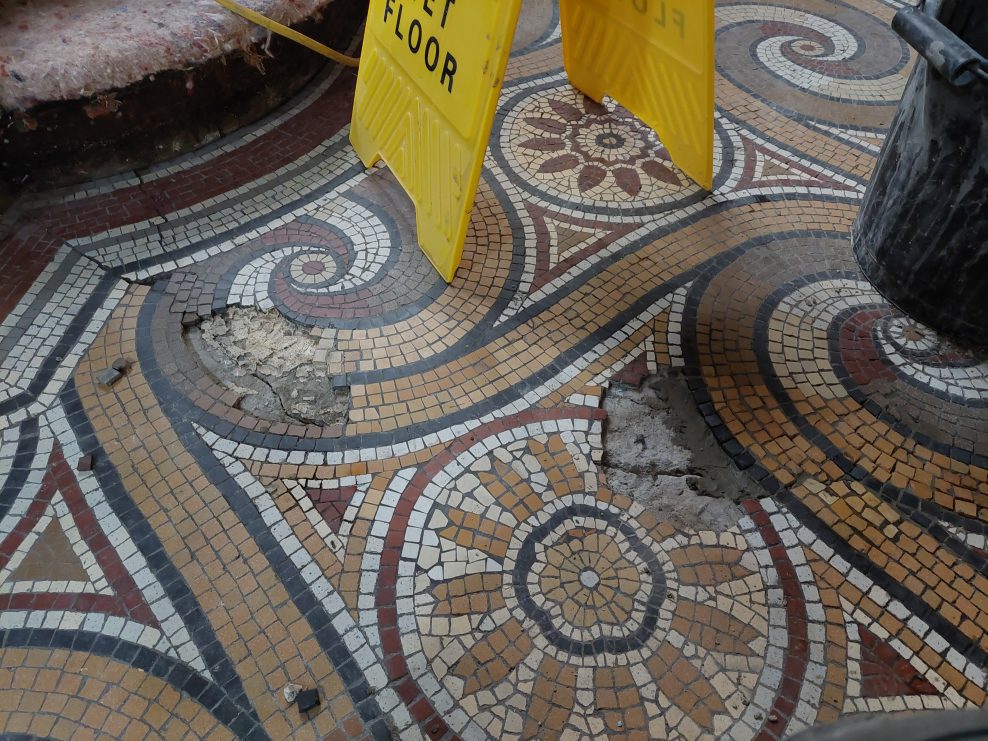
[{"x": 921, "y": 236}]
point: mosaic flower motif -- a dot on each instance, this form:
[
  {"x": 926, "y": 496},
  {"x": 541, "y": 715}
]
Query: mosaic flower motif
[
  {"x": 552, "y": 606},
  {"x": 579, "y": 142},
  {"x": 586, "y": 579}
]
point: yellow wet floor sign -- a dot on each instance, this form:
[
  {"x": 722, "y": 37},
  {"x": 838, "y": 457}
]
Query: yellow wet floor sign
[
  {"x": 654, "y": 57},
  {"x": 431, "y": 72},
  {"x": 430, "y": 75}
]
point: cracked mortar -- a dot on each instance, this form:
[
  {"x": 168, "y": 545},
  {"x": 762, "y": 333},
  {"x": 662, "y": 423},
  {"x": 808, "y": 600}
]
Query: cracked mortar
[
  {"x": 659, "y": 451},
  {"x": 282, "y": 372}
]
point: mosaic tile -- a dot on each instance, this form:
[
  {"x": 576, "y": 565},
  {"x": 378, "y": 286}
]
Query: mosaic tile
[{"x": 449, "y": 560}]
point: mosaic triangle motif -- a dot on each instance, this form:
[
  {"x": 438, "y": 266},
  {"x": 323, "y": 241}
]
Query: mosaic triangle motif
[
  {"x": 765, "y": 168},
  {"x": 639, "y": 364},
  {"x": 874, "y": 140},
  {"x": 884, "y": 673},
  {"x": 871, "y": 140},
  {"x": 634, "y": 372},
  {"x": 769, "y": 167},
  {"x": 566, "y": 241},
  {"x": 52, "y": 557},
  {"x": 332, "y": 504},
  {"x": 563, "y": 242},
  {"x": 59, "y": 523}
]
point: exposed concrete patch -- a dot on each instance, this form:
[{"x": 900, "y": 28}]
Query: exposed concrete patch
[
  {"x": 282, "y": 370},
  {"x": 659, "y": 451}
]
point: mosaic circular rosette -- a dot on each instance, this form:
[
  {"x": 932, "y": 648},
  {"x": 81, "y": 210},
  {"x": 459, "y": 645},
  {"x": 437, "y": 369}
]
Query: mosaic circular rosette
[
  {"x": 542, "y": 604},
  {"x": 569, "y": 150},
  {"x": 580, "y": 566},
  {"x": 827, "y": 61}
]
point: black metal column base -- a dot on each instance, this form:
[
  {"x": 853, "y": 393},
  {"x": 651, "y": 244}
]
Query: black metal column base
[
  {"x": 921, "y": 236},
  {"x": 940, "y": 316}
]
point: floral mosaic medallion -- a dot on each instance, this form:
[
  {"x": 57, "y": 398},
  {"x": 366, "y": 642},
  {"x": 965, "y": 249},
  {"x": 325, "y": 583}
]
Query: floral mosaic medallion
[
  {"x": 545, "y": 605},
  {"x": 567, "y": 146}
]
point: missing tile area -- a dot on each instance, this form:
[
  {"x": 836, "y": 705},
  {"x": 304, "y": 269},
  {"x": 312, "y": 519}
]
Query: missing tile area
[
  {"x": 659, "y": 451},
  {"x": 281, "y": 369}
]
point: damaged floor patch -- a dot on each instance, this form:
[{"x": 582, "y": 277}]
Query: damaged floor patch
[
  {"x": 280, "y": 368},
  {"x": 660, "y": 452}
]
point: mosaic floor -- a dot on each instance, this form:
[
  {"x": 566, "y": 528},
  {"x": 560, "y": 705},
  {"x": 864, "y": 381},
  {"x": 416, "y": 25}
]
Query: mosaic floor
[{"x": 447, "y": 559}]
